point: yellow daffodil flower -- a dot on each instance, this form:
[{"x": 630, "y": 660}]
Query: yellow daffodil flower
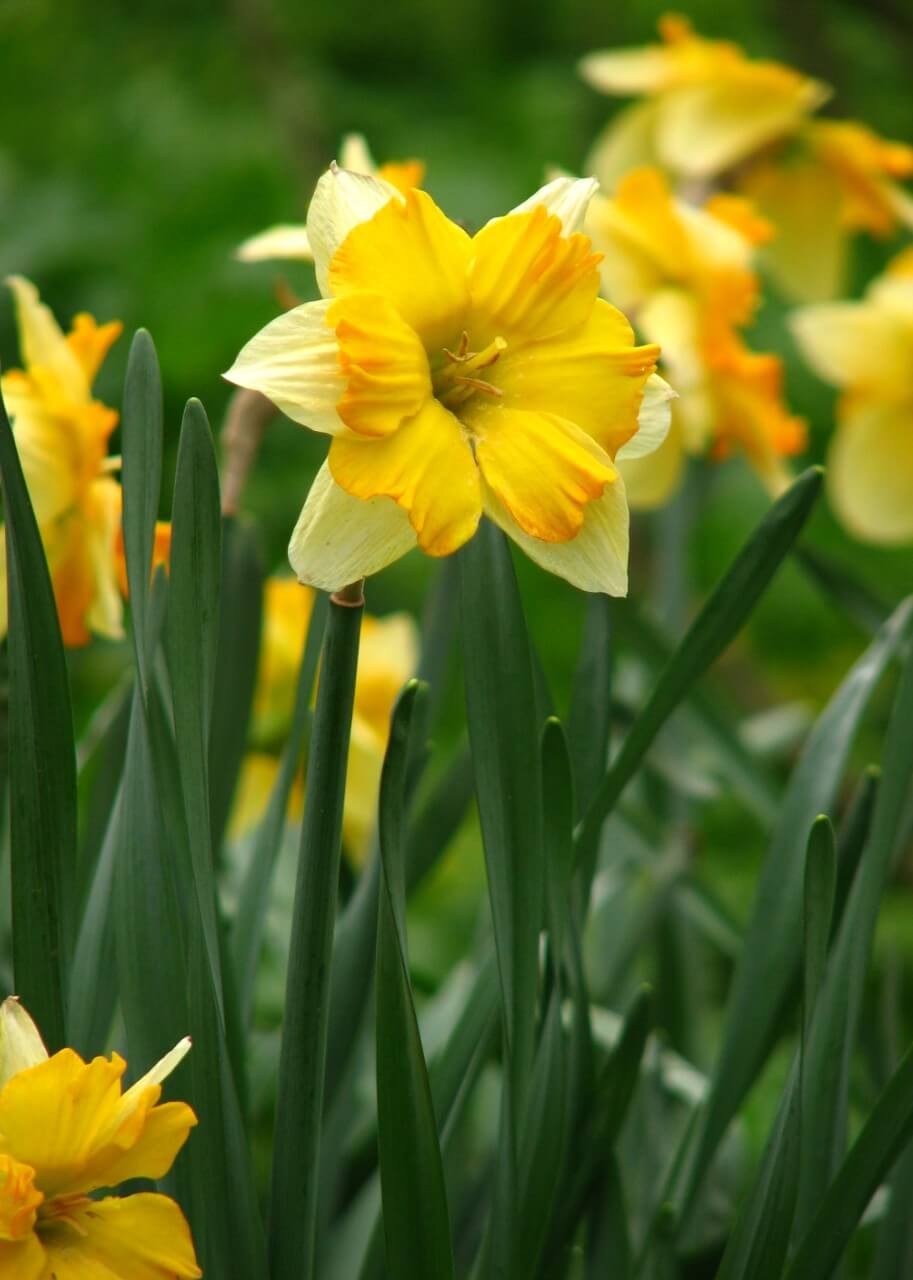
[
  {"x": 62, "y": 435},
  {"x": 866, "y": 349},
  {"x": 67, "y": 1130},
  {"x": 712, "y": 114},
  {"x": 708, "y": 106},
  {"x": 387, "y": 657},
  {"x": 290, "y": 240},
  {"x": 684, "y": 273},
  {"x": 458, "y": 374}
]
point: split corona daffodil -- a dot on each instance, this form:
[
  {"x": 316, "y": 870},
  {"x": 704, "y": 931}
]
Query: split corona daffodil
[
  {"x": 387, "y": 657},
  {"x": 684, "y": 273},
  {"x": 290, "y": 240},
  {"x": 62, "y": 435},
  {"x": 866, "y": 349},
  {"x": 67, "y": 1130},
  {"x": 710, "y": 113},
  {"x": 458, "y": 374}
]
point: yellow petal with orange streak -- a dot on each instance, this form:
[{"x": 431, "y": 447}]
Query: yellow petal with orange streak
[{"x": 383, "y": 362}]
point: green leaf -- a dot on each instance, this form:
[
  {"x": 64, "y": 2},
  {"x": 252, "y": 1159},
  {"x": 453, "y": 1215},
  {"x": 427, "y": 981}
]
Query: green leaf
[
  {"x": 883, "y": 1137},
  {"x": 820, "y": 890},
  {"x": 856, "y": 599},
  {"x": 141, "y": 478},
  {"x": 770, "y": 960},
  {"x": 253, "y": 899},
  {"x": 557, "y": 830},
  {"x": 416, "y": 1217},
  {"x": 720, "y": 620},
  {"x": 93, "y": 985},
  {"x": 590, "y": 715},
  {"x": 543, "y": 1140},
  {"x": 241, "y": 607},
  {"x": 296, "y": 1156},
  {"x": 42, "y": 764},
  {"x": 895, "y": 1239}
]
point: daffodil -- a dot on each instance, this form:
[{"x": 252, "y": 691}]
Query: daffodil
[
  {"x": 685, "y": 274},
  {"x": 290, "y": 240},
  {"x": 67, "y": 1131},
  {"x": 711, "y": 114},
  {"x": 387, "y": 657},
  {"x": 708, "y": 106},
  {"x": 866, "y": 349},
  {"x": 458, "y": 375},
  {"x": 61, "y": 435}
]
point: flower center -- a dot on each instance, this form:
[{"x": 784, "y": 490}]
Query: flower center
[{"x": 461, "y": 373}]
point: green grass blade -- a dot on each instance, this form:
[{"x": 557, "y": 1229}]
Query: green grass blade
[
  {"x": 856, "y": 599},
  {"x": 93, "y": 974},
  {"x": 543, "y": 1140},
  {"x": 416, "y": 1217},
  {"x": 590, "y": 715},
  {"x": 557, "y": 831},
  {"x": 883, "y": 1137},
  {"x": 253, "y": 899},
  {"x": 296, "y": 1157},
  {"x": 42, "y": 763},
  {"x": 718, "y": 622},
  {"x": 894, "y": 1256},
  {"x": 820, "y": 891},
  {"x": 141, "y": 478},
  {"x": 241, "y": 607}
]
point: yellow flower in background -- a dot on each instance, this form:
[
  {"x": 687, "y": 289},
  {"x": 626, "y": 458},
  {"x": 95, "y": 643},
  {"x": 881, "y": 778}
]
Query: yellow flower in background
[
  {"x": 290, "y": 240},
  {"x": 708, "y": 106},
  {"x": 457, "y": 375},
  {"x": 67, "y": 1130},
  {"x": 711, "y": 114},
  {"x": 387, "y": 658},
  {"x": 685, "y": 276},
  {"x": 866, "y": 349}
]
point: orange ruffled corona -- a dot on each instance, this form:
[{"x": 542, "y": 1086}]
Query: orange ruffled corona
[
  {"x": 67, "y": 1130},
  {"x": 458, "y": 375}
]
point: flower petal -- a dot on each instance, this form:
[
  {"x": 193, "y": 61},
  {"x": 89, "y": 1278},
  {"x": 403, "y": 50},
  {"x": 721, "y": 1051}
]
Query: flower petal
[
  {"x": 289, "y": 240},
  {"x": 653, "y": 421},
  {"x": 23, "y": 1259},
  {"x": 596, "y": 559},
  {"x": 855, "y": 344},
  {"x": 146, "y": 1146},
  {"x": 629, "y": 71},
  {"x": 567, "y": 198},
  {"x": 339, "y": 539},
  {"x": 528, "y": 279},
  {"x": 294, "y": 361},
  {"x": 543, "y": 469},
  {"x": 412, "y": 254},
  {"x": 105, "y": 615},
  {"x": 593, "y": 376},
  {"x": 21, "y": 1045},
  {"x": 45, "y": 448},
  {"x": 870, "y": 472},
  {"x": 41, "y": 340},
  {"x": 342, "y": 199},
  {"x": 383, "y": 362},
  {"x": 426, "y": 467},
  {"x": 141, "y": 1237},
  {"x": 627, "y": 142},
  {"x": 652, "y": 478}
]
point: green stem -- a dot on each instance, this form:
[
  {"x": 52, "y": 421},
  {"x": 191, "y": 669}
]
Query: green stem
[{"x": 302, "y": 1064}]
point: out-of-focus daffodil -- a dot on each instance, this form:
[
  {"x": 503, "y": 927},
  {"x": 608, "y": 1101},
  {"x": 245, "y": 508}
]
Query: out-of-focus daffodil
[
  {"x": 866, "y": 349},
  {"x": 457, "y": 375},
  {"x": 61, "y": 435},
  {"x": 387, "y": 657},
  {"x": 67, "y": 1130},
  {"x": 290, "y": 240},
  {"x": 711, "y": 114},
  {"x": 684, "y": 274}
]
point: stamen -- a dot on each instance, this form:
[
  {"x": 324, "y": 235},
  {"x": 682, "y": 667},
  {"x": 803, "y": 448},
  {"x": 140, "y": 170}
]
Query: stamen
[{"x": 477, "y": 384}]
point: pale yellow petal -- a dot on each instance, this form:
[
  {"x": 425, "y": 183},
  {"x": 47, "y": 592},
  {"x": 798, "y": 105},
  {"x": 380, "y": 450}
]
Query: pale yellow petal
[
  {"x": 651, "y": 480},
  {"x": 288, "y": 241},
  {"x": 294, "y": 361},
  {"x": 567, "y": 198},
  {"x": 870, "y": 473},
  {"x": 354, "y": 154},
  {"x": 21, "y": 1045},
  {"x": 856, "y": 344},
  {"x": 341, "y": 201},
  {"x": 653, "y": 420},
  {"x": 141, "y": 1237},
  {"x": 627, "y": 142},
  {"x": 596, "y": 559},
  {"x": 628, "y": 71},
  {"x": 42, "y": 342},
  {"x": 339, "y": 539}
]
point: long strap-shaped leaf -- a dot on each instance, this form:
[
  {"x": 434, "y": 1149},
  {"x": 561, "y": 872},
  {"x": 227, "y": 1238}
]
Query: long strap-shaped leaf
[
  {"x": 416, "y": 1218},
  {"x": 715, "y": 626},
  {"x": 296, "y": 1156},
  {"x": 42, "y": 763}
]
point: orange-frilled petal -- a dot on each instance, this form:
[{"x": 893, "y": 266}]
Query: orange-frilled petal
[
  {"x": 751, "y": 413},
  {"x": 403, "y": 174},
  {"x": 426, "y": 467},
  {"x": 415, "y": 257},
  {"x": 593, "y": 376},
  {"x": 528, "y": 279},
  {"x": 864, "y": 165},
  {"x": 90, "y": 342},
  {"x": 141, "y": 1237},
  {"x": 19, "y": 1199},
  {"x": 543, "y": 469},
  {"x": 383, "y": 362}
]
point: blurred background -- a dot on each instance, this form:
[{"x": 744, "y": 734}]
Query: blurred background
[{"x": 141, "y": 143}]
